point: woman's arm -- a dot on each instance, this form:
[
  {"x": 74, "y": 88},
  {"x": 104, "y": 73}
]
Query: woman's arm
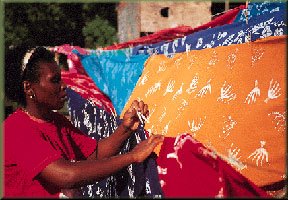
[
  {"x": 65, "y": 174},
  {"x": 112, "y": 145}
]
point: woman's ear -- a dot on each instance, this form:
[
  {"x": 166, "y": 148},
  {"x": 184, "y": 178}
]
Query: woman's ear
[{"x": 28, "y": 89}]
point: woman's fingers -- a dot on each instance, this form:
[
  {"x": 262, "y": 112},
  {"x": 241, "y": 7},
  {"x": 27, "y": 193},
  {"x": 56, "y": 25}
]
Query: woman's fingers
[
  {"x": 141, "y": 105},
  {"x": 145, "y": 110},
  {"x": 155, "y": 139},
  {"x": 140, "y": 109}
]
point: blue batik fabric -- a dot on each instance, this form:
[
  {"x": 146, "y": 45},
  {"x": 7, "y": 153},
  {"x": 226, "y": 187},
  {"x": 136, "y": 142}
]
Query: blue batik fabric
[
  {"x": 262, "y": 26},
  {"x": 116, "y": 74},
  {"x": 260, "y": 8},
  {"x": 136, "y": 180}
]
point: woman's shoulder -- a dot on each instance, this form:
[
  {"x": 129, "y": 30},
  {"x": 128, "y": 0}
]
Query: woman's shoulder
[
  {"x": 18, "y": 121},
  {"x": 16, "y": 117}
]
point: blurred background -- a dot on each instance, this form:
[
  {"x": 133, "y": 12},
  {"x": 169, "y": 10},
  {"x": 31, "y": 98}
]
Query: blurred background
[
  {"x": 94, "y": 25},
  {"x": 98, "y": 25}
]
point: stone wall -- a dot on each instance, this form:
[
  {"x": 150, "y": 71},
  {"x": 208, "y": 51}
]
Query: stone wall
[
  {"x": 148, "y": 17},
  {"x": 189, "y": 13},
  {"x": 128, "y": 16}
]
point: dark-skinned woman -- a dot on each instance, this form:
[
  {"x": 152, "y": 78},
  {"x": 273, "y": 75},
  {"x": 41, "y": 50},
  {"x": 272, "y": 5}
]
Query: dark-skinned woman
[{"x": 44, "y": 153}]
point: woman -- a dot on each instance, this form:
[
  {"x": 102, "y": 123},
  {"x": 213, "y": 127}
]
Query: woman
[{"x": 44, "y": 153}]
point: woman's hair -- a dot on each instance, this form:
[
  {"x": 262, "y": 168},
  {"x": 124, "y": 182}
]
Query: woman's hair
[{"x": 18, "y": 69}]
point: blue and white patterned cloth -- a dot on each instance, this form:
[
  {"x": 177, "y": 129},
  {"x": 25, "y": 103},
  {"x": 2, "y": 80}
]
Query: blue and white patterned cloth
[
  {"x": 260, "y": 8},
  {"x": 116, "y": 74},
  {"x": 137, "y": 180},
  {"x": 262, "y": 26}
]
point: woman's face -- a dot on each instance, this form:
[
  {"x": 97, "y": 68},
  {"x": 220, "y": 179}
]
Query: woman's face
[{"x": 50, "y": 90}]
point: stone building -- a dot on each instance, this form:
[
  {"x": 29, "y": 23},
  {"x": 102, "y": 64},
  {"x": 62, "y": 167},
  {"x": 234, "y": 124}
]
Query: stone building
[{"x": 139, "y": 18}]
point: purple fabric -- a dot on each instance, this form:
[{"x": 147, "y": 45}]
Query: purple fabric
[{"x": 137, "y": 180}]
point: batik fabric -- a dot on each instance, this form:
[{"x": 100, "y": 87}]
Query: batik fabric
[
  {"x": 136, "y": 180},
  {"x": 189, "y": 169},
  {"x": 231, "y": 98},
  {"x": 260, "y": 8},
  {"x": 115, "y": 75},
  {"x": 274, "y": 24}
]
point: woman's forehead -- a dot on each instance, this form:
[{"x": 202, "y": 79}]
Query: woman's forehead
[{"x": 49, "y": 68}]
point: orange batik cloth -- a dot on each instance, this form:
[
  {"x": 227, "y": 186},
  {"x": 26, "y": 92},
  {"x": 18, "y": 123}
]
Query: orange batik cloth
[{"x": 232, "y": 99}]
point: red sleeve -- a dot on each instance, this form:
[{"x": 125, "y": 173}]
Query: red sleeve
[
  {"x": 25, "y": 148},
  {"x": 86, "y": 144}
]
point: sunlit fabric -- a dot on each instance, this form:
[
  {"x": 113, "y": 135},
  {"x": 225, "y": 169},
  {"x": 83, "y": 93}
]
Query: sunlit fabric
[
  {"x": 231, "y": 98},
  {"x": 84, "y": 85},
  {"x": 172, "y": 33},
  {"x": 260, "y": 8},
  {"x": 263, "y": 26},
  {"x": 189, "y": 169},
  {"x": 115, "y": 75},
  {"x": 133, "y": 181}
]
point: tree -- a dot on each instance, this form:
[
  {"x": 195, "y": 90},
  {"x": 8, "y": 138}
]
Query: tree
[
  {"x": 53, "y": 24},
  {"x": 99, "y": 33}
]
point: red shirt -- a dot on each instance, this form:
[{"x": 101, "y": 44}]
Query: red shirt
[{"x": 32, "y": 145}]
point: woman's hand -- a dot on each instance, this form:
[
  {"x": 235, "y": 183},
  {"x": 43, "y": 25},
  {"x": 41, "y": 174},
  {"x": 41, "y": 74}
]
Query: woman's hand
[
  {"x": 145, "y": 148},
  {"x": 131, "y": 119}
]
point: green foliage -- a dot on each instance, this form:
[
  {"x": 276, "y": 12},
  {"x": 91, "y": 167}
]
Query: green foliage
[
  {"x": 99, "y": 33},
  {"x": 52, "y": 24}
]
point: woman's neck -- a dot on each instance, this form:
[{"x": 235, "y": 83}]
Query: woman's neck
[{"x": 42, "y": 114}]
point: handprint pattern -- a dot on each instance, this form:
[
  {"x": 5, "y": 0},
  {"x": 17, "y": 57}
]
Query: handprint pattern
[
  {"x": 279, "y": 119},
  {"x": 231, "y": 101},
  {"x": 204, "y": 90},
  {"x": 260, "y": 154},
  {"x": 251, "y": 98},
  {"x": 226, "y": 94},
  {"x": 169, "y": 88},
  {"x": 274, "y": 91}
]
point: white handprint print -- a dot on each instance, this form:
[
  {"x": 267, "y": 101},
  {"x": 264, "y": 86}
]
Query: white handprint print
[
  {"x": 144, "y": 79},
  {"x": 196, "y": 127},
  {"x": 274, "y": 91},
  {"x": 153, "y": 88},
  {"x": 193, "y": 85},
  {"x": 170, "y": 86},
  {"x": 260, "y": 154},
  {"x": 162, "y": 67},
  {"x": 251, "y": 98},
  {"x": 178, "y": 92},
  {"x": 204, "y": 90},
  {"x": 226, "y": 94},
  {"x": 279, "y": 120},
  {"x": 228, "y": 126}
]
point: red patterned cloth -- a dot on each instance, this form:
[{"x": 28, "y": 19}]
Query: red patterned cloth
[
  {"x": 181, "y": 31},
  {"x": 85, "y": 86},
  {"x": 188, "y": 169},
  {"x": 73, "y": 60}
]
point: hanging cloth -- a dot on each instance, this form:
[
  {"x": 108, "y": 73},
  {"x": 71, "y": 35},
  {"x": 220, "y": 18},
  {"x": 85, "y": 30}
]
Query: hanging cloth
[
  {"x": 189, "y": 169},
  {"x": 260, "y": 8},
  {"x": 115, "y": 75},
  {"x": 263, "y": 26},
  {"x": 172, "y": 33},
  {"x": 73, "y": 60},
  {"x": 231, "y": 98},
  {"x": 137, "y": 179},
  {"x": 85, "y": 86}
]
